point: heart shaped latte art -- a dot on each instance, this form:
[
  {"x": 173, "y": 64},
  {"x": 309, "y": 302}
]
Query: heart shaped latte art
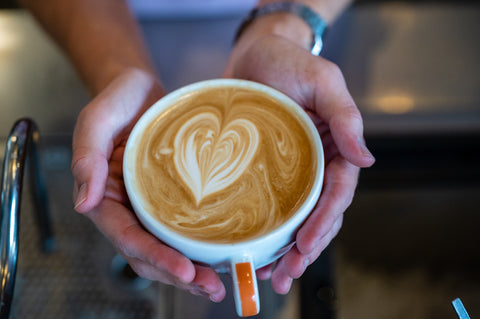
[{"x": 209, "y": 157}]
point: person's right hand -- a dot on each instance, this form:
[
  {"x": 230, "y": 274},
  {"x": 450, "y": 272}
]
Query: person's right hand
[{"x": 99, "y": 139}]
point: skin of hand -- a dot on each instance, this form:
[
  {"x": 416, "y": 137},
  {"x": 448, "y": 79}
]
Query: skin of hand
[
  {"x": 319, "y": 87},
  {"x": 99, "y": 140}
]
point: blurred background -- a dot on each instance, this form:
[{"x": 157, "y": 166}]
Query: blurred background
[{"x": 410, "y": 240}]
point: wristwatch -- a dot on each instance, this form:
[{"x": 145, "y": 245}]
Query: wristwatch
[{"x": 314, "y": 21}]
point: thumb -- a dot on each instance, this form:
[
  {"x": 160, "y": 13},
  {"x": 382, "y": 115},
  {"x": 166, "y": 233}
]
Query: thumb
[
  {"x": 335, "y": 105},
  {"x": 90, "y": 170},
  {"x": 91, "y": 151}
]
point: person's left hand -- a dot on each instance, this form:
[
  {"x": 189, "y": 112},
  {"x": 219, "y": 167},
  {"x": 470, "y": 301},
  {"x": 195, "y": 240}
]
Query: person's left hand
[{"x": 319, "y": 87}]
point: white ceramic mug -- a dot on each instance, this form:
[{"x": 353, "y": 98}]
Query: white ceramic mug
[{"x": 239, "y": 259}]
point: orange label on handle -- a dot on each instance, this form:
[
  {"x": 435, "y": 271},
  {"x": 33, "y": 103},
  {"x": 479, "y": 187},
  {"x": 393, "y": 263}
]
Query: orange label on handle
[{"x": 246, "y": 289}]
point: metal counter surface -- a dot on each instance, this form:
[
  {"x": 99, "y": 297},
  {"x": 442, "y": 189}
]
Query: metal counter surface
[{"x": 412, "y": 68}]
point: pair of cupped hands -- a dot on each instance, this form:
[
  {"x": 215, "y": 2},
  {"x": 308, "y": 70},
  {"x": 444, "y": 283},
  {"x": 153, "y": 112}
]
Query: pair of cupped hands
[{"x": 103, "y": 127}]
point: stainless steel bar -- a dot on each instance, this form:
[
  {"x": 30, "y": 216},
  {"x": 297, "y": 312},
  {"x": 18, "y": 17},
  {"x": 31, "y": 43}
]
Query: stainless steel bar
[{"x": 23, "y": 138}]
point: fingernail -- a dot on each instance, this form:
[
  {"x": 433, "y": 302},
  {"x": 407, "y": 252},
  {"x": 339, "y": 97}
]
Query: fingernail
[
  {"x": 306, "y": 263},
  {"x": 197, "y": 291},
  {"x": 199, "y": 287},
  {"x": 81, "y": 195},
  {"x": 363, "y": 148},
  {"x": 288, "y": 285},
  {"x": 215, "y": 298}
]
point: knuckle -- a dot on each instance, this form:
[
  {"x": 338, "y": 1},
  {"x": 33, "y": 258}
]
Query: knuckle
[
  {"x": 347, "y": 115},
  {"x": 330, "y": 70},
  {"x": 79, "y": 158},
  {"x": 123, "y": 242}
]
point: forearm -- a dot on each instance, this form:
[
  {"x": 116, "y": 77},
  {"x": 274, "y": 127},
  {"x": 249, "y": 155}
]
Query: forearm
[{"x": 101, "y": 37}]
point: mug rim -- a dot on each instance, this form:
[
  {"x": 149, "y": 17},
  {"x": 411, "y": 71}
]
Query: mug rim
[{"x": 175, "y": 239}]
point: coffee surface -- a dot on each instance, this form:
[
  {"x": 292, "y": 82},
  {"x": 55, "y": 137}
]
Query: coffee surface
[{"x": 225, "y": 165}]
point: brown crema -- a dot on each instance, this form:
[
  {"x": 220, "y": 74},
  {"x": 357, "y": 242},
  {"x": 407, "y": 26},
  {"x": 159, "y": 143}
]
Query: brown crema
[{"x": 225, "y": 165}]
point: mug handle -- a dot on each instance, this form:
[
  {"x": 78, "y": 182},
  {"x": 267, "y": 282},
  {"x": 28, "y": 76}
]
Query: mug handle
[{"x": 245, "y": 289}]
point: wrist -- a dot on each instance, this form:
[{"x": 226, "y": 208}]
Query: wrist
[
  {"x": 301, "y": 21},
  {"x": 282, "y": 18},
  {"x": 100, "y": 78},
  {"x": 285, "y": 25},
  {"x": 101, "y": 38}
]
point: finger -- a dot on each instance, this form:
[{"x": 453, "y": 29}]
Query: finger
[
  {"x": 339, "y": 187},
  {"x": 136, "y": 242},
  {"x": 147, "y": 271},
  {"x": 293, "y": 264},
  {"x": 329, "y": 147},
  {"x": 207, "y": 283},
  {"x": 265, "y": 272},
  {"x": 281, "y": 282},
  {"x": 92, "y": 147},
  {"x": 90, "y": 170},
  {"x": 335, "y": 105},
  {"x": 325, "y": 241},
  {"x": 122, "y": 228}
]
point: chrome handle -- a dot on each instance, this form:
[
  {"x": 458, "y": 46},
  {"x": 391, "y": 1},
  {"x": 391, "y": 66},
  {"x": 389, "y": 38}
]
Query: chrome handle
[{"x": 23, "y": 138}]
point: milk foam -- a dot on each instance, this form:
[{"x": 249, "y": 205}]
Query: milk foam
[{"x": 225, "y": 165}]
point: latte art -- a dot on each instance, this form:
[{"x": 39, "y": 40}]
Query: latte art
[
  {"x": 209, "y": 158},
  {"x": 225, "y": 165}
]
